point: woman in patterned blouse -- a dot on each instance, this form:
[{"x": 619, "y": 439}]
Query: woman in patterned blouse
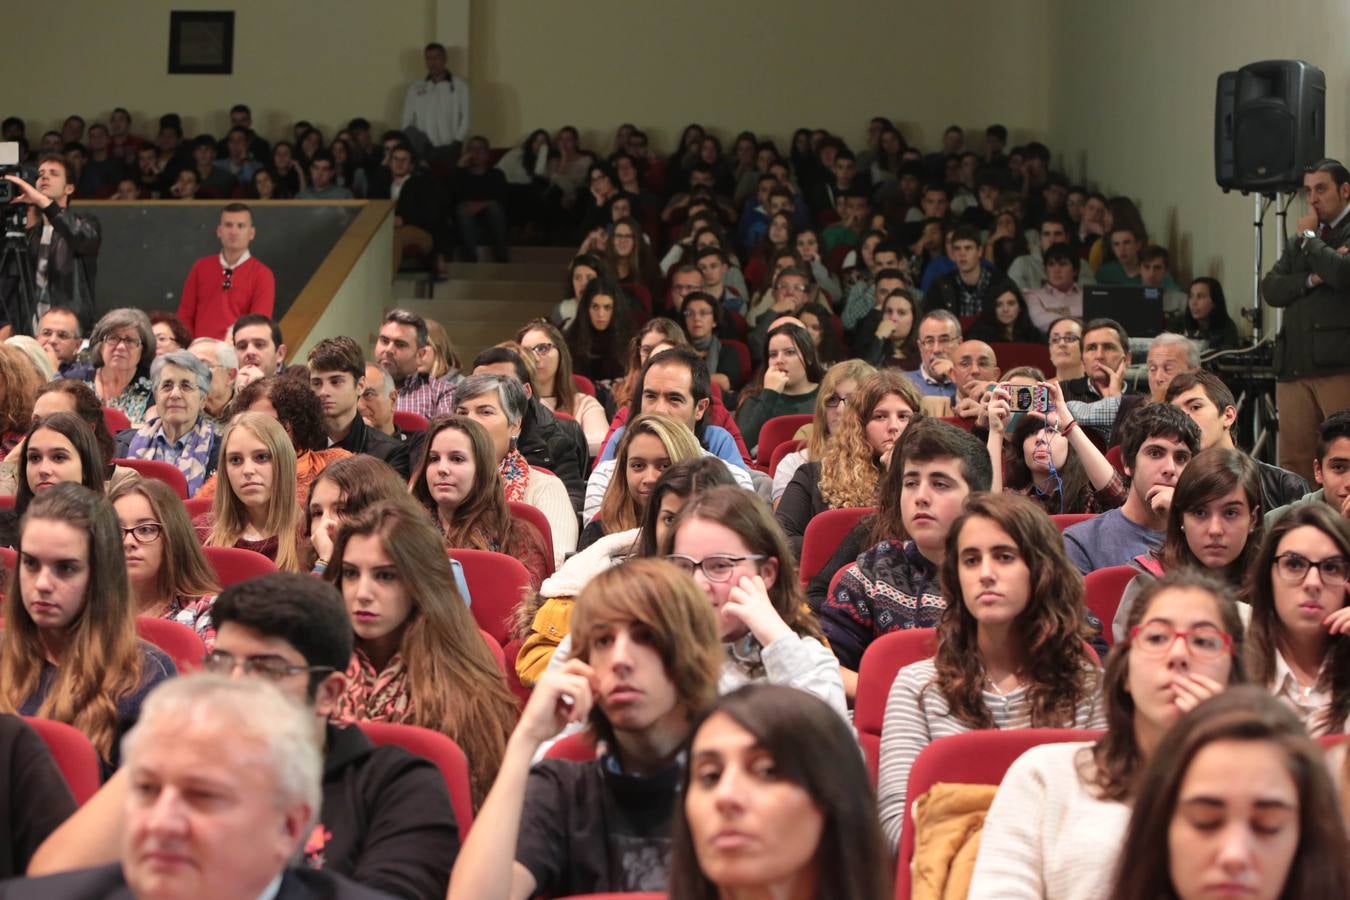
[
  {"x": 169, "y": 575},
  {"x": 122, "y": 347},
  {"x": 420, "y": 658}
]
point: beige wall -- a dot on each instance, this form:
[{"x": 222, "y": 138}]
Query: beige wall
[
  {"x": 325, "y": 61},
  {"x": 1132, "y": 107},
  {"x": 764, "y": 65}
]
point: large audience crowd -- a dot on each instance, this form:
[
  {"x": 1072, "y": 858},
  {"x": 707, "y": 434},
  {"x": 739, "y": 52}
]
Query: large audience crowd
[{"x": 813, "y": 439}]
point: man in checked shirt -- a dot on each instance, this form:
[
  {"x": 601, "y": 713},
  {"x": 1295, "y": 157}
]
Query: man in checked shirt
[{"x": 403, "y": 345}]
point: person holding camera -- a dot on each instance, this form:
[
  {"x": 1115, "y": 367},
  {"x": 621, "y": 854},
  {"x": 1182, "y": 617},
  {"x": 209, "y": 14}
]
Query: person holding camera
[{"x": 63, "y": 247}]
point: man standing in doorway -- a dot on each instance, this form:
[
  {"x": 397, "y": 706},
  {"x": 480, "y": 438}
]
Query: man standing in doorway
[{"x": 436, "y": 109}]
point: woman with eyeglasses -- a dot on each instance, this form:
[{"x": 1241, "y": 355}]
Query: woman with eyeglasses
[
  {"x": 1060, "y": 814},
  {"x": 700, "y": 312},
  {"x": 848, "y": 470},
  {"x": 630, "y": 258},
  {"x": 168, "y": 572},
  {"x": 840, "y": 383},
  {"x": 1066, "y": 349},
  {"x": 727, "y": 539},
  {"x": 122, "y": 346},
  {"x": 553, "y": 380},
  {"x": 184, "y": 435},
  {"x": 69, "y": 650},
  {"x": 1011, "y": 645},
  {"x": 1297, "y": 646}
]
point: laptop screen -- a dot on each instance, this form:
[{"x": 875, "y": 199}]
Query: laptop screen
[{"x": 1138, "y": 309}]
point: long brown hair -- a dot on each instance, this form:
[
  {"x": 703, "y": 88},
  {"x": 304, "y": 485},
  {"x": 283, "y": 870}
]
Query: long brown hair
[
  {"x": 1061, "y": 674},
  {"x": 810, "y": 747},
  {"x": 21, "y": 382},
  {"x": 74, "y": 429},
  {"x": 455, "y": 684},
  {"x": 101, "y": 662},
  {"x": 228, "y": 516},
  {"x": 183, "y": 569},
  {"x": 849, "y": 468},
  {"x": 1209, "y": 475},
  {"x": 750, "y": 519},
  {"x": 679, "y": 620},
  {"x": 361, "y": 480},
  {"x": 1263, "y": 633},
  {"x": 564, "y": 391},
  {"x": 1111, "y": 766},
  {"x": 483, "y": 515},
  {"x": 1074, "y": 485},
  {"x": 620, "y": 509},
  {"x": 1249, "y": 715}
]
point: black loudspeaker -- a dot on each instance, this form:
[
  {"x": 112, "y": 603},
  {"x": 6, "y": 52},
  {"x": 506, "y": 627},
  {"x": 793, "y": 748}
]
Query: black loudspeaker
[{"x": 1269, "y": 125}]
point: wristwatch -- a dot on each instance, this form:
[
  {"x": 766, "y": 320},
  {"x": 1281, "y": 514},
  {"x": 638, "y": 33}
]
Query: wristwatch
[{"x": 1307, "y": 234}]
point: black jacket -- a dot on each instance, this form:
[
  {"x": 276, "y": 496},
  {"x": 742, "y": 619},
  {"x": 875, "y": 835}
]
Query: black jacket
[
  {"x": 423, "y": 201},
  {"x": 364, "y": 439},
  {"x": 1316, "y": 330},
  {"x": 1279, "y": 486},
  {"x": 387, "y": 818},
  {"x": 558, "y": 445},
  {"x": 72, "y": 259},
  {"x": 108, "y": 883},
  {"x": 35, "y": 799}
]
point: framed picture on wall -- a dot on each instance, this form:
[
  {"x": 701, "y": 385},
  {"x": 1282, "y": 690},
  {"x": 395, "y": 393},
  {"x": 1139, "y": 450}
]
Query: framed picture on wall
[{"x": 201, "y": 43}]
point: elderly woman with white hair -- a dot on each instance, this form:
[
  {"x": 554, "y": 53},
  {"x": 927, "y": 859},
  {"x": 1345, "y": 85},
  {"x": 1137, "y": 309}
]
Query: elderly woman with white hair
[
  {"x": 122, "y": 346},
  {"x": 497, "y": 402},
  {"x": 184, "y": 434}
]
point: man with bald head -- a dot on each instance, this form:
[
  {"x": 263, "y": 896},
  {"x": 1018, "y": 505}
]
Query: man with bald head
[
  {"x": 375, "y": 405},
  {"x": 974, "y": 366}
]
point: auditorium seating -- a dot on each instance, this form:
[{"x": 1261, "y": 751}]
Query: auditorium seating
[
  {"x": 776, "y": 431},
  {"x": 158, "y": 470},
  {"x": 976, "y": 757},
  {"x": 781, "y": 451},
  {"x": 74, "y": 755},
  {"x": 177, "y": 640},
  {"x": 438, "y": 748},
  {"x": 881, "y": 662},
  {"x": 1065, "y": 520},
  {"x": 410, "y": 421},
  {"x": 233, "y": 564},
  {"x": 1102, "y": 590},
  {"x": 496, "y": 582},
  {"x": 823, "y": 535},
  {"x": 535, "y": 516}
]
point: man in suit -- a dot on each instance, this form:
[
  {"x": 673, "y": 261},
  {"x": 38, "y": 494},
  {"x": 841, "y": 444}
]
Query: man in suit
[
  {"x": 1311, "y": 282},
  {"x": 225, "y": 787}
]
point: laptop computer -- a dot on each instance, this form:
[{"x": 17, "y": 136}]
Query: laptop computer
[{"x": 1138, "y": 309}]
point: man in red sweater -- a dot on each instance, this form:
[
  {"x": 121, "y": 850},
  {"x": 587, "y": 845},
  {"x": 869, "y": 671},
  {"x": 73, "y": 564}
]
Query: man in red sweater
[{"x": 221, "y": 288}]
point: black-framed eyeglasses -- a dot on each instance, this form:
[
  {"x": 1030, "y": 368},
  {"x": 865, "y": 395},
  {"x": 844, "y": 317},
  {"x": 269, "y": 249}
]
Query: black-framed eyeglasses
[
  {"x": 229, "y": 277},
  {"x": 834, "y": 401},
  {"x": 273, "y": 668},
  {"x": 1205, "y": 641},
  {"x": 543, "y": 348},
  {"x": 1294, "y": 568},
  {"x": 715, "y": 568},
  {"x": 1065, "y": 338},
  {"x": 144, "y": 533}
]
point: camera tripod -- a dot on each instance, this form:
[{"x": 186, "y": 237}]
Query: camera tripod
[{"x": 16, "y": 263}]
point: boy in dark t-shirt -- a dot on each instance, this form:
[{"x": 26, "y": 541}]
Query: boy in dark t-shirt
[{"x": 647, "y": 659}]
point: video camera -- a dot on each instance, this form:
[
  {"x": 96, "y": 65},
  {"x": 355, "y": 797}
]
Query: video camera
[{"x": 10, "y": 165}]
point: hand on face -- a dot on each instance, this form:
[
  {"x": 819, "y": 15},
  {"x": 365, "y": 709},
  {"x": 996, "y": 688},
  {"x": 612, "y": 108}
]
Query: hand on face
[
  {"x": 1192, "y": 689},
  {"x": 1115, "y": 378},
  {"x": 941, "y": 368},
  {"x": 749, "y": 603},
  {"x": 1159, "y": 498},
  {"x": 775, "y": 380}
]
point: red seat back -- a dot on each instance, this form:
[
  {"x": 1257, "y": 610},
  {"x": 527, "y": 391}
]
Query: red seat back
[
  {"x": 410, "y": 421},
  {"x": 535, "y": 516},
  {"x": 9, "y": 558},
  {"x": 495, "y": 649},
  {"x": 180, "y": 642},
  {"x": 1064, "y": 520},
  {"x": 1113, "y": 457},
  {"x": 73, "y": 754},
  {"x": 115, "y": 419},
  {"x": 960, "y": 422},
  {"x": 881, "y": 662},
  {"x": 781, "y": 451},
  {"x": 197, "y": 506},
  {"x": 823, "y": 535},
  {"x": 630, "y": 895},
  {"x": 742, "y": 356},
  {"x": 6, "y": 501},
  {"x": 158, "y": 470},
  {"x": 774, "y": 432},
  {"x": 438, "y": 748},
  {"x": 1010, "y": 356},
  {"x": 511, "y": 652},
  {"x": 577, "y": 747},
  {"x": 235, "y": 564},
  {"x": 584, "y": 384},
  {"x": 976, "y": 757},
  {"x": 1102, "y": 590},
  {"x": 497, "y": 583}
]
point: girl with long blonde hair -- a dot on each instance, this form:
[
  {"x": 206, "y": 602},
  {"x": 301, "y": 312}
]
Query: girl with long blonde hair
[
  {"x": 254, "y": 506},
  {"x": 650, "y": 444},
  {"x": 837, "y": 388}
]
